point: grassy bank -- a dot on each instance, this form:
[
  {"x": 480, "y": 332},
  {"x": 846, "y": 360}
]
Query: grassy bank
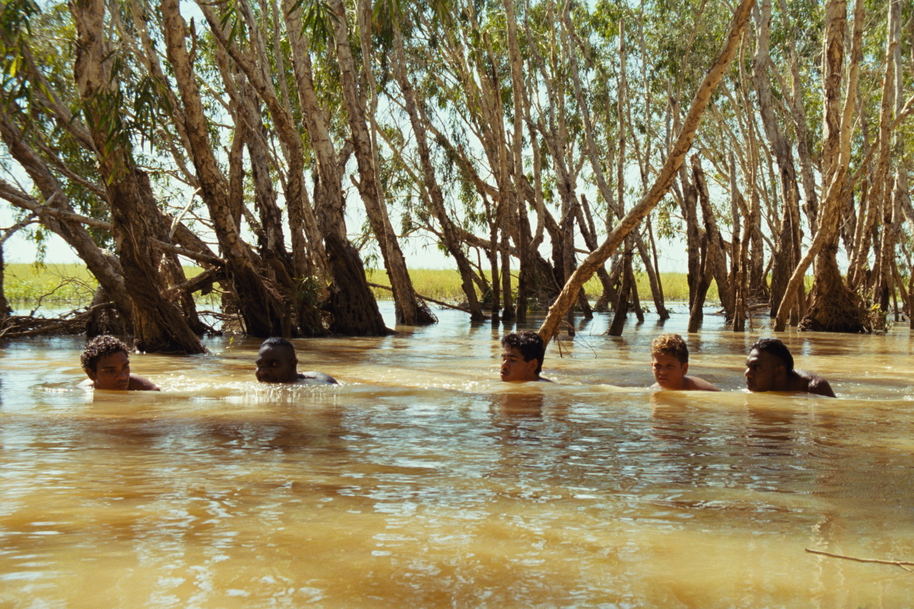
[
  {"x": 57, "y": 285},
  {"x": 445, "y": 285},
  {"x": 71, "y": 285}
]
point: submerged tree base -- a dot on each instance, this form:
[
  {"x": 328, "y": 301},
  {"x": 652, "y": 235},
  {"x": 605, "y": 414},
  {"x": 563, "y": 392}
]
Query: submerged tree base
[{"x": 837, "y": 309}]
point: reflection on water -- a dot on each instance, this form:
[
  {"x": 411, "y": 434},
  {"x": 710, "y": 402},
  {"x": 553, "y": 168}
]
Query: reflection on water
[{"x": 422, "y": 481}]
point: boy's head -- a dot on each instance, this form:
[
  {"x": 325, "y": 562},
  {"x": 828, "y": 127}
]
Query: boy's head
[
  {"x": 777, "y": 349},
  {"x": 768, "y": 366},
  {"x": 276, "y": 361},
  {"x": 522, "y": 356},
  {"x": 107, "y": 363},
  {"x": 669, "y": 360}
]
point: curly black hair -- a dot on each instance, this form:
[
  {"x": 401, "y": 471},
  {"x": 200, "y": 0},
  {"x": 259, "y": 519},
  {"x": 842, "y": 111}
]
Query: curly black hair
[
  {"x": 99, "y": 347},
  {"x": 529, "y": 344}
]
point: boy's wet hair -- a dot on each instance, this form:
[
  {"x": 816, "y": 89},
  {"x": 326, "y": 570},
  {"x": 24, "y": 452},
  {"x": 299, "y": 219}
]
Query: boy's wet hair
[
  {"x": 99, "y": 347},
  {"x": 670, "y": 344},
  {"x": 277, "y": 341},
  {"x": 530, "y": 345},
  {"x": 776, "y": 348}
]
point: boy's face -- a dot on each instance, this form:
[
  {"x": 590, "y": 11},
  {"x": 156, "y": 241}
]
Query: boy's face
[
  {"x": 668, "y": 371},
  {"x": 276, "y": 364},
  {"x": 514, "y": 368},
  {"x": 764, "y": 371},
  {"x": 112, "y": 372}
]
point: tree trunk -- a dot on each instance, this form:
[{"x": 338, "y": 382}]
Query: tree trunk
[
  {"x": 352, "y": 304},
  {"x": 588, "y": 232},
  {"x": 4, "y": 305},
  {"x": 892, "y": 182},
  {"x": 833, "y": 307},
  {"x": 623, "y": 301},
  {"x": 436, "y": 197},
  {"x": 716, "y": 261},
  {"x": 158, "y": 324},
  {"x": 696, "y": 310},
  {"x": 410, "y": 310},
  {"x": 264, "y": 311},
  {"x": 688, "y": 204},
  {"x": 738, "y": 251},
  {"x": 661, "y": 184},
  {"x": 518, "y": 210},
  {"x": 786, "y": 252}
]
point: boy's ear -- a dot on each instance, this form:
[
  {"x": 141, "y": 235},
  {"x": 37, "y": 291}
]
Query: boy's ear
[
  {"x": 90, "y": 373},
  {"x": 685, "y": 368}
]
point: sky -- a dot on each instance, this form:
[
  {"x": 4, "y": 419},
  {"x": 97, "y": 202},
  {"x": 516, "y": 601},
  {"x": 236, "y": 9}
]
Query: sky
[{"x": 420, "y": 252}]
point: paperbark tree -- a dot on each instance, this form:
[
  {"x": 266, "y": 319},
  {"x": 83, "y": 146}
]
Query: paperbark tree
[
  {"x": 787, "y": 242},
  {"x": 264, "y": 310},
  {"x": 834, "y": 307},
  {"x": 409, "y": 309},
  {"x": 661, "y": 184},
  {"x": 158, "y": 324},
  {"x": 355, "y": 310}
]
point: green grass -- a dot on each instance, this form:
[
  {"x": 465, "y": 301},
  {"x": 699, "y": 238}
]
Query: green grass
[
  {"x": 53, "y": 284},
  {"x": 445, "y": 285},
  {"x": 71, "y": 285}
]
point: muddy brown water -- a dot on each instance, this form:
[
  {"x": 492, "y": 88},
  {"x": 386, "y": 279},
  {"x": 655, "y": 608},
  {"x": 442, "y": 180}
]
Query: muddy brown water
[{"x": 422, "y": 481}]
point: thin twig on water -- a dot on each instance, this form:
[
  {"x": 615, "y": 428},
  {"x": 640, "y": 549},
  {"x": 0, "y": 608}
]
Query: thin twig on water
[{"x": 898, "y": 563}]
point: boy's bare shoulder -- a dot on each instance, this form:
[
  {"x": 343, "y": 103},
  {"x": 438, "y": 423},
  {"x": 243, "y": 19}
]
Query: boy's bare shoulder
[
  {"x": 139, "y": 383},
  {"x": 814, "y": 383},
  {"x": 693, "y": 383}
]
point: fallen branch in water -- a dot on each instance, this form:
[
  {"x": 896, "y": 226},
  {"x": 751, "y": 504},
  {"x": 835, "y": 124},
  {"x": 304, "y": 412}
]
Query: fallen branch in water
[
  {"x": 74, "y": 322},
  {"x": 898, "y": 563},
  {"x": 437, "y": 302}
]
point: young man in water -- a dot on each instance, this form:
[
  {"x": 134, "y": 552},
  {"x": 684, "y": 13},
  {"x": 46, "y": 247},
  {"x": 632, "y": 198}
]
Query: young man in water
[
  {"x": 107, "y": 364},
  {"x": 670, "y": 362},
  {"x": 769, "y": 367},
  {"x": 276, "y": 363},
  {"x": 522, "y": 357}
]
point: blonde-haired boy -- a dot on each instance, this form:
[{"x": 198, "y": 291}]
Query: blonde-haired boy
[{"x": 670, "y": 362}]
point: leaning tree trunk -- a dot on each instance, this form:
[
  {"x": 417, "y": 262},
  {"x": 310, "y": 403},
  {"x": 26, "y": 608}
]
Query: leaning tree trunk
[
  {"x": 435, "y": 195},
  {"x": 351, "y": 302},
  {"x": 662, "y": 183},
  {"x": 263, "y": 309},
  {"x": 833, "y": 306},
  {"x": 158, "y": 324},
  {"x": 410, "y": 310}
]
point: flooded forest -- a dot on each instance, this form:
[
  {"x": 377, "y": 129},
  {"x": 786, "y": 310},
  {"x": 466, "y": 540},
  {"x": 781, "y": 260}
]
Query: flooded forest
[{"x": 284, "y": 146}]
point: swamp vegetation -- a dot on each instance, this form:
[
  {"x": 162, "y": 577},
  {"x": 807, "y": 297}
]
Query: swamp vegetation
[{"x": 538, "y": 144}]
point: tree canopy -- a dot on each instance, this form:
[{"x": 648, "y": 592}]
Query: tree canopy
[{"x": 521, "y": 139}]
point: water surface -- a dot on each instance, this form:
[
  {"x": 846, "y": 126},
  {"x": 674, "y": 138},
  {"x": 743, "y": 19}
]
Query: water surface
[{"x": 422, "y": 481}]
